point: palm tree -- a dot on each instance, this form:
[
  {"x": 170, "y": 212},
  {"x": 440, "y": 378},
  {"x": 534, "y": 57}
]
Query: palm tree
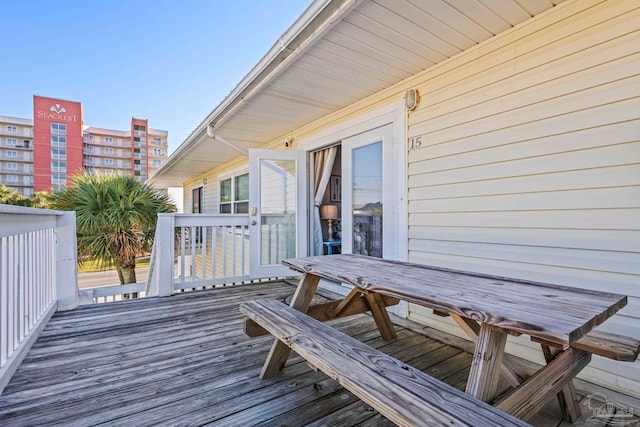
[{"x": 115, "y": 218}]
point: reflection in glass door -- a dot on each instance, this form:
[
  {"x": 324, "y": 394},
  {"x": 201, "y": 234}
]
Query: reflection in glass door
[{"x": 366, "y": 196}]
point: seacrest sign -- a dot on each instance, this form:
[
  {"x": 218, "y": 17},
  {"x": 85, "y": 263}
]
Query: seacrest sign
[{"x": 57, "y": 112}]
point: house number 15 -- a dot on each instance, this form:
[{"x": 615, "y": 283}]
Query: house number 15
[{"x": 415, "y": 142}]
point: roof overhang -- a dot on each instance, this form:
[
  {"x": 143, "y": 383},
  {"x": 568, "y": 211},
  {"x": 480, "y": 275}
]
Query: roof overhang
[{"x": 337, "y": 53}]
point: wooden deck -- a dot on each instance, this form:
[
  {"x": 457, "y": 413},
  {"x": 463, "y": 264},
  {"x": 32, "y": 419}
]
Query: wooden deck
[{"x": 184, "y": 360}]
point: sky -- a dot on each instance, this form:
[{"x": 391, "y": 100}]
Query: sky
[{"x": 170, "y": 62}]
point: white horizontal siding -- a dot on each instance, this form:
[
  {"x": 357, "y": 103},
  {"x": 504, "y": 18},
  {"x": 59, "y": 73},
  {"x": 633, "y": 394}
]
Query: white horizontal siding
[{"x": 530, "y": 165}]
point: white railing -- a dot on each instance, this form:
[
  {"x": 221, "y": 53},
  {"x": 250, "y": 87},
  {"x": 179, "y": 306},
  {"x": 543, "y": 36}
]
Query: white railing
[
  {"x": 197, "y": 251},
  {"x": 37, "y": 276},
  {"x": 112, "y": 293}
]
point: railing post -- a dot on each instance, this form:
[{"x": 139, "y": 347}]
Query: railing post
[
  {"x": 165, "y": 243},
  {"x": 66, "y": 273}
]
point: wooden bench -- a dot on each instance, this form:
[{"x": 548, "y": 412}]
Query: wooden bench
[
  {"x": 404, "y": 395},
  {"x": 606, "y": 344}
]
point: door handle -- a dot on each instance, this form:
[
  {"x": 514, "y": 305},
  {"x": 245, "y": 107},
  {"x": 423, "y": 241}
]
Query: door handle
[{"x": 253, "y": 222}]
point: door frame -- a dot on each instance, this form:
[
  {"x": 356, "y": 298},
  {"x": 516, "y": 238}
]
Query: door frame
[{"x": 394, "y": 114}]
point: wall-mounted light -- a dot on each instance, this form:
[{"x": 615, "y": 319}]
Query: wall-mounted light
[
  {"x": 411, "y": 99},
  {"x": 204, "y": 181},
  {"x": 288, "y": 142}
]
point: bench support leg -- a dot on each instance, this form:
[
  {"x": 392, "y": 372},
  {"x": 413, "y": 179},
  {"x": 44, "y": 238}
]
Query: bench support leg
[
  {"x": 487, "y": 360},
  {"x": 301, "y": 301},
  {"x": 567, "y": 397},
  {"x": 380, "y": 315}
]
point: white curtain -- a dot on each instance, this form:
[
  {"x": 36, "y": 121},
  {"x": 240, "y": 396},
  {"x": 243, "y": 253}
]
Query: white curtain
[{"x": 323, "y": 166}]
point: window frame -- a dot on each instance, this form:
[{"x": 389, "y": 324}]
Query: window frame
[
  {"x": 12, "y": 129},
  {"x": 233, "y": 203}
]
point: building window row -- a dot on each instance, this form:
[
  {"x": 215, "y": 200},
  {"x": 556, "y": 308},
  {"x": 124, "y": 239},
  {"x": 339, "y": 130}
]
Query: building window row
[
  {"x": 58, "y": 178},
  {"x": 59, "y": 153},
  {"x": 58, "y": 141},
  {"x": 58, "y": 166},
  {"x": 58, "y": 129}
]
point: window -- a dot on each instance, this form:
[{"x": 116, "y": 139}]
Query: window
[
  {"x": 59, "y": 153},
  {"x": 234, "y": 194},
  {"x": 156, "y": 162},
  {"x": 108, "y": 150},
  {"x": 58, "y": 129},
  {"x": 12, "y": 141},
  {"x": 26, "y": 143},
  {"x": 12, "y": 178},
  {"x": 58, "y": 178},
  {"x": 12, "y": 129},
  {"x": 108, "y": 140},
  {"x": 11, "y": 153},
  {"x": 108, "y": 161},
  {"x": 157, "y": 152},
  {"x": 58, "y": 141},
  {"x": 58, "y": 166},
  {"x": 108, "y": 171},
  {"x": 157, "y": 141},
  {"x": 196, "y": 200},
  {"x": 12, "y": 166}
]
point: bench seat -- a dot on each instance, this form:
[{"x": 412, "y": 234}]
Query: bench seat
[
  {"x": 606, "y": 344},
  {"x": 404, "y": 395}
]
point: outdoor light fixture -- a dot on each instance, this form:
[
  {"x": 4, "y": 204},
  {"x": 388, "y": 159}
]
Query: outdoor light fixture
[
  {"x": 411, "y": 99},
  {"x": 329, "y": 212}
]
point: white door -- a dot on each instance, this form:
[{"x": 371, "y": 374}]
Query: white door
[
  {"x": 278, "y": 210},
  {"x": 369, "y": 207}
]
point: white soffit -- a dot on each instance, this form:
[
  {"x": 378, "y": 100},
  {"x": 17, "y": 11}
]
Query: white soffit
[{"x": 374, "y": 45}]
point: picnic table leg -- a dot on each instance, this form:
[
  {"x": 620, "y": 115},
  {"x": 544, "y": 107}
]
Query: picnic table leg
[
  {"x": 301, "y": 301},
  {"x": 487, "y": 360},
  {"x": 509, "y": 368},
  {"x": 379, "y": 312},
  {"x": 567, "y": 397}
]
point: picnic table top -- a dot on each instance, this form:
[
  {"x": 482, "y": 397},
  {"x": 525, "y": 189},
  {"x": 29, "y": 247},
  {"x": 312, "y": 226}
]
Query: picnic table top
[{"x": 559, "y": 314}]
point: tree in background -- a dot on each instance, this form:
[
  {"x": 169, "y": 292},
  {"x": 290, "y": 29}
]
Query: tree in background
[
  {"x": 115, "y": 218},
  {"x": 38, "y": 199}
]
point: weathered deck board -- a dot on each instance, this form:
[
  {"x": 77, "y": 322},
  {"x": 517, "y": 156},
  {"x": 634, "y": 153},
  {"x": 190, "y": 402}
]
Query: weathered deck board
[{"x": 163, "y": 361}]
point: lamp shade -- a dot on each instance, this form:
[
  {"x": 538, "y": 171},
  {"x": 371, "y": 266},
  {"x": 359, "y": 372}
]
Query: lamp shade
[{"x": 329, "y": 212}]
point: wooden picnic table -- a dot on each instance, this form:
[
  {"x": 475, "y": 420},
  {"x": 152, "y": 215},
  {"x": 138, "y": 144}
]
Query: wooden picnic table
[{"x": 488, "y": 308}]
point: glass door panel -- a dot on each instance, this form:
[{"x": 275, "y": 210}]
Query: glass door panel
[
  {"x": 277, "y": 210},
  {"x": 366, "y": 190}
]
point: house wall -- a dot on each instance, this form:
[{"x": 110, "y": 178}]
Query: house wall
[{"x": 528, "y": 164}]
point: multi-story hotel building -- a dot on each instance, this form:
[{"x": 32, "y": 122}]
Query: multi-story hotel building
[{"x": 42, "y": 153}]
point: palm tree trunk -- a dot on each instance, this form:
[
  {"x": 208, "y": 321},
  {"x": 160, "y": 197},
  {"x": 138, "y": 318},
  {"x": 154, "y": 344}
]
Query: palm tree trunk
[{"x": 128, "y": 272}]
